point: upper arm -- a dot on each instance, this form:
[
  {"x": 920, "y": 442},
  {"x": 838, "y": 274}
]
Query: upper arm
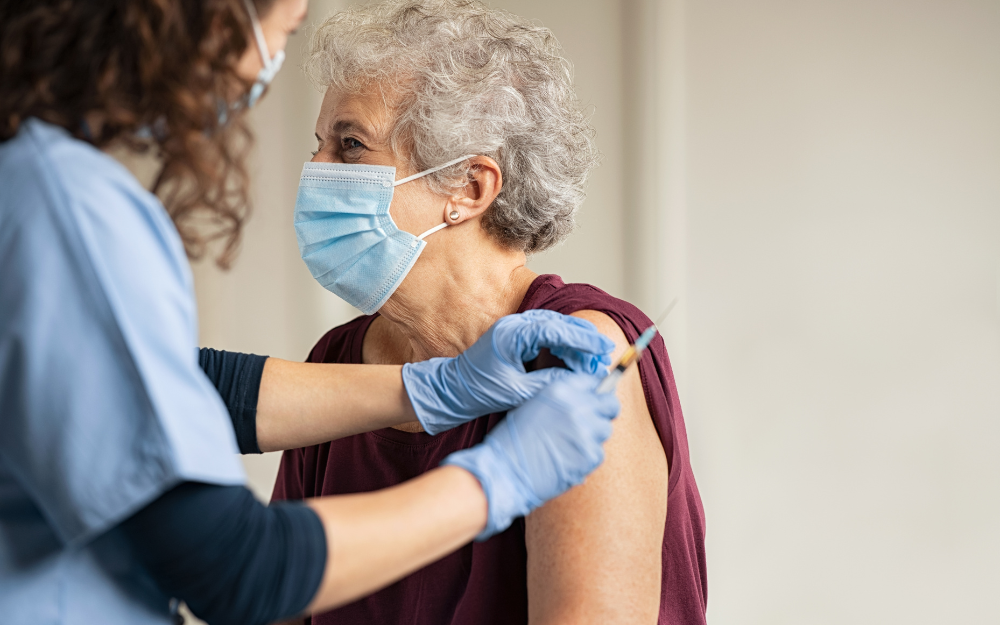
[
  {"x": 229, "y": 557},
  {"x": 594, "y": 553}
]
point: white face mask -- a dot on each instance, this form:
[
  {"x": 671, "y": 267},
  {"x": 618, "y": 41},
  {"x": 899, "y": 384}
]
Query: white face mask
[
  {"x": 347, "y": 237},
  {"x": 271, "y": 65}
]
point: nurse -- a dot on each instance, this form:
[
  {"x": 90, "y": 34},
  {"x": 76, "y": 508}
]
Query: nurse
[{"x": 120, "y": 493}]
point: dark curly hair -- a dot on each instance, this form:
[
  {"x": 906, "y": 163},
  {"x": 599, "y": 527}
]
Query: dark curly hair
[{"x": 155, "y": 74}]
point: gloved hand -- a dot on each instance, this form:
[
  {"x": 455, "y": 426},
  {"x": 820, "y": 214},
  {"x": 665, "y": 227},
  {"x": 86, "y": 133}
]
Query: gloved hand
[
  {"x": 490, "y": 376},
  {"x": 541, "y": 449}
]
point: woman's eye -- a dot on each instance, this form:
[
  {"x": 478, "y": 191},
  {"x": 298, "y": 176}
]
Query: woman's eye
[{"x": 350, "y": 143}]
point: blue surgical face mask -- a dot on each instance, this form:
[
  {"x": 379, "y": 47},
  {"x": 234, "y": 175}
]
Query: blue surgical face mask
[
  {"x": 347, "y": 237},
  {"x": 271, "y": 65}
]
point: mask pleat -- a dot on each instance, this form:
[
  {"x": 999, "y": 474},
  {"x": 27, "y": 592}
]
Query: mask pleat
[{"x": 346, "y": 236}]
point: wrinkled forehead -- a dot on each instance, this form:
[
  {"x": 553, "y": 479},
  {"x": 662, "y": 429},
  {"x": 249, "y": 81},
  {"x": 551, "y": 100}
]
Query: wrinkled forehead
[{"x": 370, "y": 110}]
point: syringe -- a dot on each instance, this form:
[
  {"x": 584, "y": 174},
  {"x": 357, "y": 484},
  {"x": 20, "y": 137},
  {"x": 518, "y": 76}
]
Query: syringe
[{"x": 632, "y": 354}]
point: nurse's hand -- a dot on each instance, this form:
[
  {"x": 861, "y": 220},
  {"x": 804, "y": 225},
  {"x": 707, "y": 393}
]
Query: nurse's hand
[
  {"x": 541, "y": 449},
  {"x": 490, "y": 376}
]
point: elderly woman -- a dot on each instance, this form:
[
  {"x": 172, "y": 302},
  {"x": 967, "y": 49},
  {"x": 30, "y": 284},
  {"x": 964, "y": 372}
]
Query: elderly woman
[{"x": 416, "y": 85}]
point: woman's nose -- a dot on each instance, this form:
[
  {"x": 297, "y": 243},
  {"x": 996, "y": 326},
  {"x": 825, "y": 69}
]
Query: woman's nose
[{"x": 326, "y": 156}]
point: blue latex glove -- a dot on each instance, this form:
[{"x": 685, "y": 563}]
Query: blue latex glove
[
  {"x": 541, "y": 449},
  {"x": 490, "y": 376}
]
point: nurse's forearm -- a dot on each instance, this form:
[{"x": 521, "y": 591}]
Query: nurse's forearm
[
  {"x": 302, "y": 404},
  {"x": 374, "y": 539}
]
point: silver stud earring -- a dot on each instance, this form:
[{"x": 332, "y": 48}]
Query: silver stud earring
[{"x": 453, "y": 215}]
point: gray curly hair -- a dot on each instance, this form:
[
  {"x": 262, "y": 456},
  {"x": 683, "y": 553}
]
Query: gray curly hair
[{"x": 469, "y": 79}]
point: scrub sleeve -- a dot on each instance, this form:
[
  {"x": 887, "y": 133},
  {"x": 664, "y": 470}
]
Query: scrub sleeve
[{"x": 103, "y": 406}]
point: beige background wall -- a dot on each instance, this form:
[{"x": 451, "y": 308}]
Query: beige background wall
[
  {"x": 820, "y": 184},
  {"x": 843, "y": 245}
]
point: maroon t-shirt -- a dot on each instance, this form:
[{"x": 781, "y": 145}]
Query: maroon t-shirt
[{"x": 486, "y": 583}]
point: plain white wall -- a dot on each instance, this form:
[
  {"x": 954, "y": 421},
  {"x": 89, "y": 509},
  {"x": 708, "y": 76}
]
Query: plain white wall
[
  {"x": 820, "y": 183},
  {"x": 843, "y": 210}
]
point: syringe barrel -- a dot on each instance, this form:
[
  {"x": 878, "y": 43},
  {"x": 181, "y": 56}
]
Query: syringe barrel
[{"x": 610, "y": 383}]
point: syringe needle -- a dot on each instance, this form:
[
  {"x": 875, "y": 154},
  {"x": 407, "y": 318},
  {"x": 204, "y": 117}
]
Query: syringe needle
[
  {"x": 633, "y": 353},
  {"x": 663, "y": 315}
]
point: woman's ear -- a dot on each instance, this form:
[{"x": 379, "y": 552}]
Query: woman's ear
[{"x": 485, "y": 182}]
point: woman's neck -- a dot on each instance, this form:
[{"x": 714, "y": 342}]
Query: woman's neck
[{"x": 449, "y": 301}]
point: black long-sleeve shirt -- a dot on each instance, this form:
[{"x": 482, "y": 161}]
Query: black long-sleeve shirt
[
  {"x": 237, "y": 378},
  {"x": 229, "y": 557}
]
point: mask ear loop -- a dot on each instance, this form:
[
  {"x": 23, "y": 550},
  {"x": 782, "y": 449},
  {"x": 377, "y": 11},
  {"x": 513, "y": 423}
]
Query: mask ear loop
[
  {"x": 426, "y": 234},
  {"x": 434, "y": 169},
  {"x": 421, "y": 237},
  {"x": 258, "y": 32}
]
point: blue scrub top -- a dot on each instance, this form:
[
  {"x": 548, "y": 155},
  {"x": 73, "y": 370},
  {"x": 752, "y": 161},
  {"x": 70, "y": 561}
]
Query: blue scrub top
[{"x": 102, "y": 404}]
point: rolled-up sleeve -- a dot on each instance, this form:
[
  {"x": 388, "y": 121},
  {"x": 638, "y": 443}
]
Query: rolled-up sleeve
[
  {"x": 237, "y": 376},
  {"x": 103, "y": 406}
]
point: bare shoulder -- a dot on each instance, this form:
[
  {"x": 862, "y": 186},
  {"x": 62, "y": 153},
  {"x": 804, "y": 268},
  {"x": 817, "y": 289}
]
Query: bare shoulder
[
  {"x": 594, "y": 554},
  {"x": 606, "y": 326}
]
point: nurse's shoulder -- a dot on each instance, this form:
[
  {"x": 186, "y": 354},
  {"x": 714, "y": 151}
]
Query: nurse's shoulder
[
  {"x": 97, "y": 316},
  {"x": 67, "y": 188}
]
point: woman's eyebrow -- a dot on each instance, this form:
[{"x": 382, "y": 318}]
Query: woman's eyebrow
[{"x": 346, "y": 126}]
